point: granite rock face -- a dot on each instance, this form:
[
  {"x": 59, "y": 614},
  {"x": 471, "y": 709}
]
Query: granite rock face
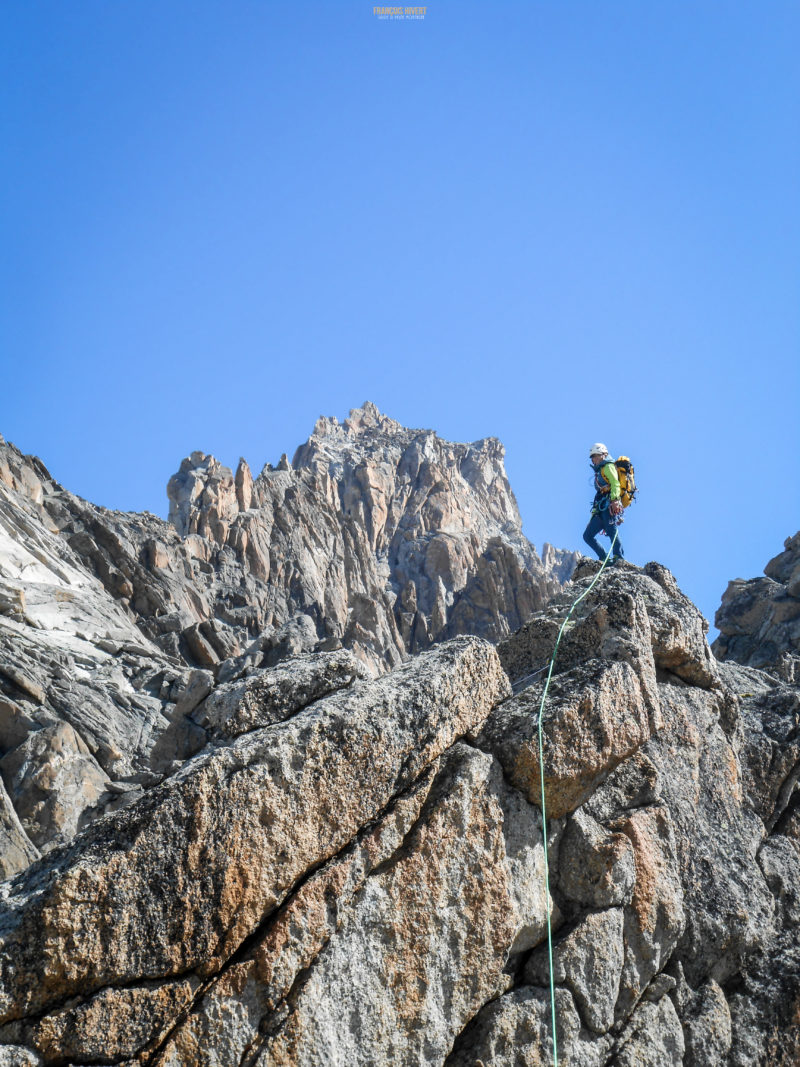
[
  {"x": 352, "y": 870},
  {"x": 691, "y": 837},
  {"x": 225, "y": 845}
]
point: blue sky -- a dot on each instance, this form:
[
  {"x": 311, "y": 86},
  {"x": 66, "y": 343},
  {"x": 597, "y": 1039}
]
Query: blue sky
[{"x": 552, "y": 222}]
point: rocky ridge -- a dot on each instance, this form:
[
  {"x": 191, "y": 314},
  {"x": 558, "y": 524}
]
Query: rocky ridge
[
  {"x": 376, "y": 537},
  {"x": 116, "y": 627},
  {"x": 351, "y": 870},
  {"x": 280, "y": 858}
]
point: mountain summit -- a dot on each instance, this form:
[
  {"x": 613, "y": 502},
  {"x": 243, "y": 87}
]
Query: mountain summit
[{"x": 384, "y": 538}]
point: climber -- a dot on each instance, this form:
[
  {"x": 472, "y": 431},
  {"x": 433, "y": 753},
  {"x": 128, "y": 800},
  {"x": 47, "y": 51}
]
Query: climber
[{"x": 606, "y": 506}]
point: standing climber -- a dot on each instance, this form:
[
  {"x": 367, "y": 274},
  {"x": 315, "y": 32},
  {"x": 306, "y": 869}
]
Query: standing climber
[{"x": 606, "y": 506}]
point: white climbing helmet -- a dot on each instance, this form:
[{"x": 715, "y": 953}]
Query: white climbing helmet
[{"x": 598, "y": 450}]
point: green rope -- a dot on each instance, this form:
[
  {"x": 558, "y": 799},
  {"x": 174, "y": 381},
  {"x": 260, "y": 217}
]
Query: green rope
[{"x": 544, "y": 811}]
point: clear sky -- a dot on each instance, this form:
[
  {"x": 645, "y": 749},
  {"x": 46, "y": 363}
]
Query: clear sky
[{"x": 550, "y": 221}]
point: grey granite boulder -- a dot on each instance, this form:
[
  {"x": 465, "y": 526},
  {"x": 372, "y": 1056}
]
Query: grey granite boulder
[
  {"x": 270, "y": 696},
  {"x": 588, "y": 960},
  {"x": 759, "y": 618}
]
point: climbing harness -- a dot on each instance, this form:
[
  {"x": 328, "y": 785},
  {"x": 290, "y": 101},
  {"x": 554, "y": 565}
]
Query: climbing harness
[
  {"x": 541, "y": 778},
  {"x": 604, "y": 504}
]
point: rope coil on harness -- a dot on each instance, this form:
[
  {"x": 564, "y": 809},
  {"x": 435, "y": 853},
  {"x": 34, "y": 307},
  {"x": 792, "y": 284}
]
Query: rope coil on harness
[{"x": 541, "y": 778}]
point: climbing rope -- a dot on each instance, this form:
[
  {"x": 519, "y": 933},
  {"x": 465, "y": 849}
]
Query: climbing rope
[{"x": 541, "y": 777}]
